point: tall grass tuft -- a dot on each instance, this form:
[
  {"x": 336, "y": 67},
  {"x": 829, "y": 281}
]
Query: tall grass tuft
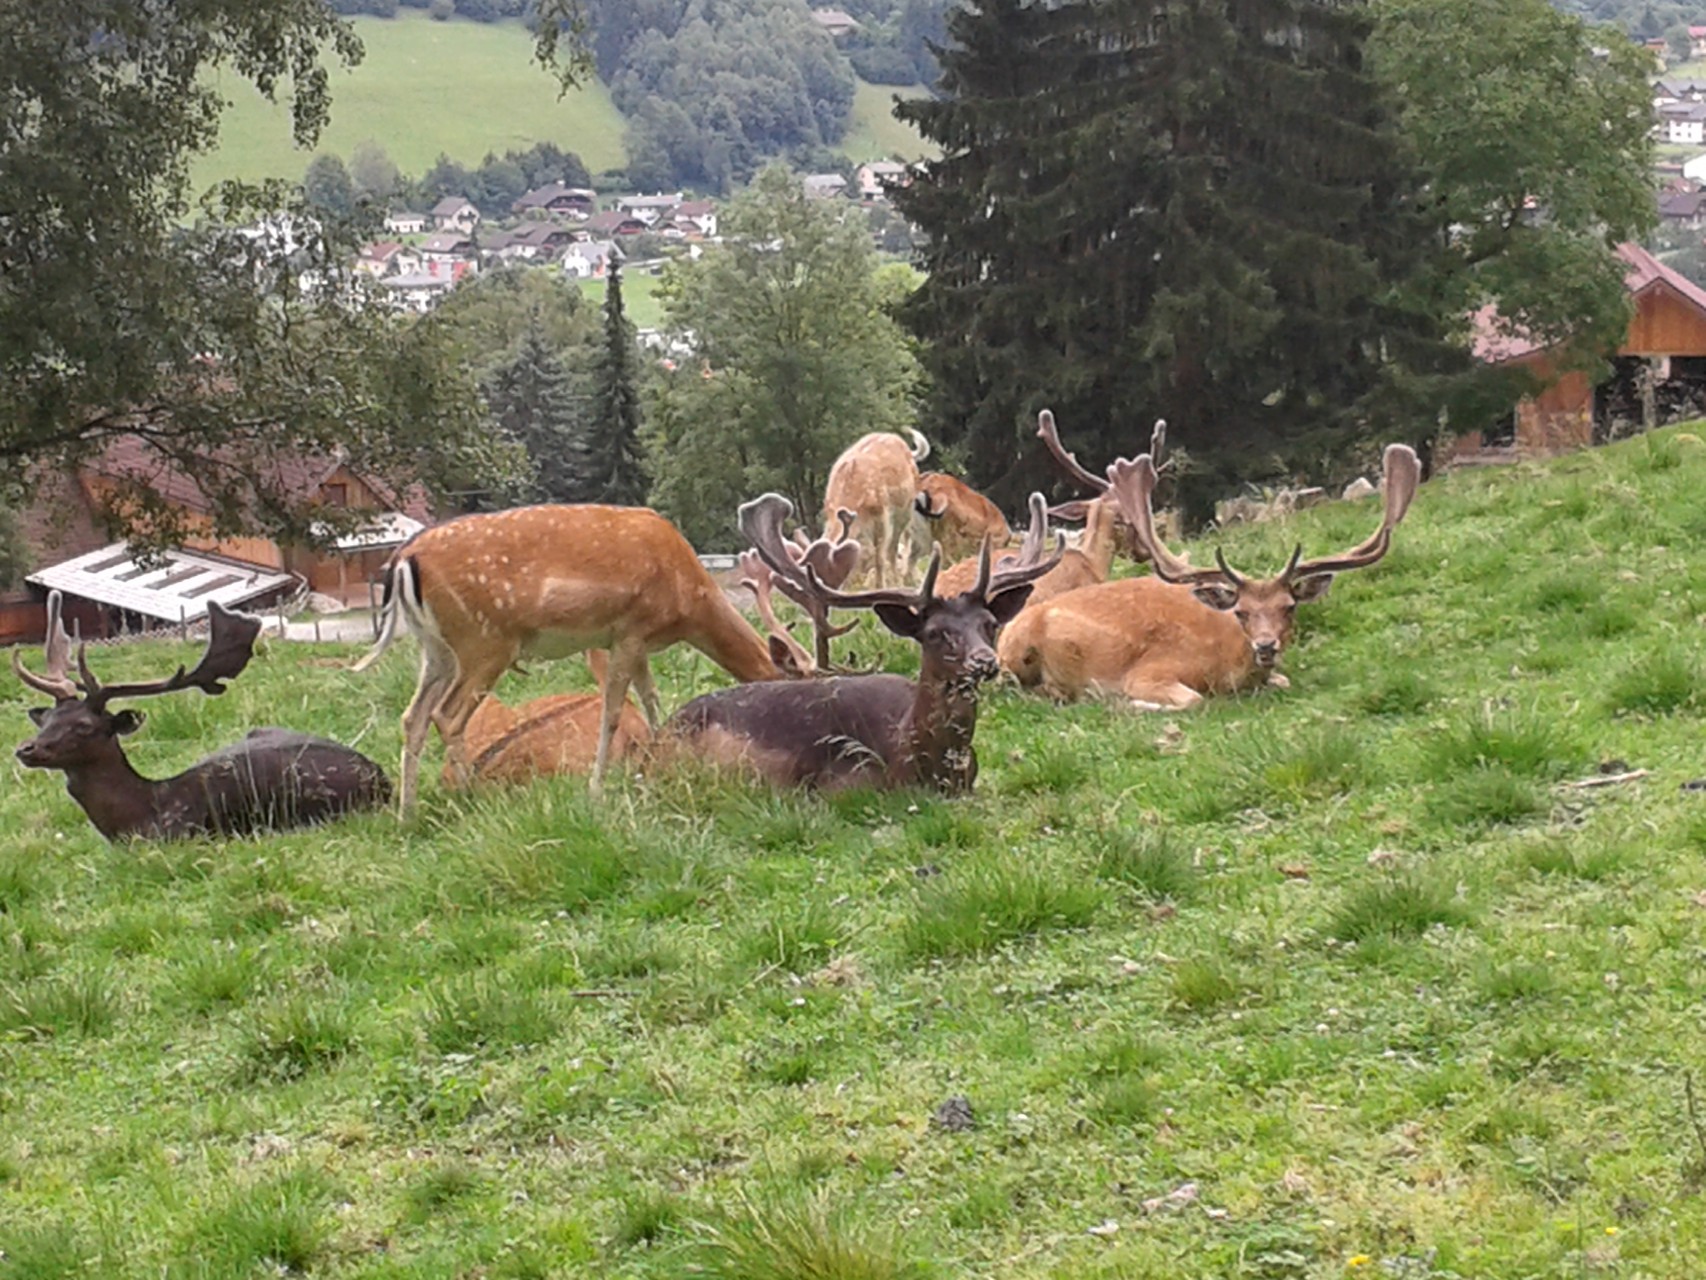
[
  {"x": 1154, "y": 861},
  {"x": 977, "y": 908},
  {"x": 1203, "y": 983},
  {"x": 81, "y": 1002},
  {"x": 20, "y": 878},
  {"x": 308, "y": 1031},
  {"x": 1522, "y": 743},
  {"x": 1658, "y": 684},
  {"x": 441, "y": 1184},
  {"x": 1395, "y": 907},
  {"x": 1400, "y": 690},
  {"x": 485, "y": 1011},
  {"x": 212, "y": 977},
  {"x": 1314, "y": 763},
  {"x": 51, "y": 1251},
  {"x": 795, "y": 935},
  {"x": 646, "y": 1216},
  {"x": 1485, "y": 797},
  {"x": 803, "y": 1238},
  {"x": 275, "y": 1227}
]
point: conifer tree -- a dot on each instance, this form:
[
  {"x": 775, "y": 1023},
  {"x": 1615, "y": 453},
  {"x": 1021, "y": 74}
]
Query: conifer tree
[
  {"x": 1194, "y": 210},
  {"x": 535, "y": 403},
  {"x": 611, "y": 462}
]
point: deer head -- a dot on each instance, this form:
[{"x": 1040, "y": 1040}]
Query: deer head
[
  {"x": 1264, "y": 607},
  {"x": 78, "y": 729}
]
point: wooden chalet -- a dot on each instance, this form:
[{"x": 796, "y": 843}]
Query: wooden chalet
[{"x": 1658, "y": 370}]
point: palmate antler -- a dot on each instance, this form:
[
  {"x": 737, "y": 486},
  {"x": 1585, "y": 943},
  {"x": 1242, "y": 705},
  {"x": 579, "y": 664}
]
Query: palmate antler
[
  {"x": 1133, "y": 485},
  {"x": 56, "y": 682},
  {"x": 990, "y": 582},
  {"x": 775, "y": 561},
  {"x": 230, "y": 645}
]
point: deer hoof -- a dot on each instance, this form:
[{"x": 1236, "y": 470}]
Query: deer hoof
[{"x": 1278, "y": 681}]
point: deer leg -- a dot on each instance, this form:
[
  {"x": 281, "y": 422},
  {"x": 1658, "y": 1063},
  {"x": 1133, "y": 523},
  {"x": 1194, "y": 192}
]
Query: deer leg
[
  {"x": 1151, "y": 693},
  {"x": 648, "y": 693},
  {"x": 457, "y": 707},
  {"x": 438, "y": 670},
  {"x": 626, "y": 662}
]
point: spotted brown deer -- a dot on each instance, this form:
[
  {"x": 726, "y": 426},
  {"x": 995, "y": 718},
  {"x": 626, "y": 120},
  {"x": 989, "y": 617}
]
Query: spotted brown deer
[
  {"x": 271, "y": 780},
  {"x": 1168, "y": 641},
  {"x": 865, "y": 730},
  {"x": 483, "y": 591},
  {"x": 876, "y": 478}
]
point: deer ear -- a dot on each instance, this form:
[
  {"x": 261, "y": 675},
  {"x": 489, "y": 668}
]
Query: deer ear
[
  {"x": 1217, "y": 595},
  {"x": 1005, "y": 605},
  {"x": 1311, "y": 588},
  {"x": 784, "y": 658},
  {"x": 899, "y": 619},
  {"x": 128, "y": 721},
  {"x": 38, "y": 715}
]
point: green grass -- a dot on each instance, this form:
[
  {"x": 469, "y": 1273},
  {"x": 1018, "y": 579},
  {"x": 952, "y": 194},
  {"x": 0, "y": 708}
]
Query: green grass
[
  {"x": 425, "y": 88},
  {"x": 1353, "y": 958},
  {"x": 640, "y": 302},
  {"x": 874, "y": 133}
]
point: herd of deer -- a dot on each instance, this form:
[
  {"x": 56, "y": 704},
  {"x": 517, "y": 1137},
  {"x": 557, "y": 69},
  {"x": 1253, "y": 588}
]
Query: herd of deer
[{"x": 484, "y": 592}]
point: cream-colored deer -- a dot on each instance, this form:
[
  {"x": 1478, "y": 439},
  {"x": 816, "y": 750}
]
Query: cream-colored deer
[
  {"x": 1168, "y": 641},
  {"x": 481, "y": 592},
  {"x": 960, "y": 517},
  {"x": 876, "y": 478}
]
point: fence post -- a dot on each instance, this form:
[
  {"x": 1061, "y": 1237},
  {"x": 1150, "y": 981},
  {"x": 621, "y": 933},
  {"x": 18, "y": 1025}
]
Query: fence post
[
  {"x": 372, "y": 608},
  {"x": 316, "y": 628},
  {"x": 183, "y": 625}
]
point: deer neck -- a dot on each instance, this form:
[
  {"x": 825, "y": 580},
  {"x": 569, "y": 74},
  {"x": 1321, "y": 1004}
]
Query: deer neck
[
  {"x": 1097, "y": 547},
  {"x": 728, "y": 639},
  {"x": 936, "y": 735},
  {"x": 118, "y": 799}
]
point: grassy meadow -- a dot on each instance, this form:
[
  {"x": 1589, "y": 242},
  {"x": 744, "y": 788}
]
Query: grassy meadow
[
  {"x": 874, "y": 133},
  {"x": 425, "y": 88},
  {"x": 1345, "y": 980},
  {"x": 640, "y": 301}
]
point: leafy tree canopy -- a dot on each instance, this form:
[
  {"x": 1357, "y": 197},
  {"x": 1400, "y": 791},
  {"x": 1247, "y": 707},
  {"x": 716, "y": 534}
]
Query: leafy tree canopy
[{"x": 795, "y": 358}]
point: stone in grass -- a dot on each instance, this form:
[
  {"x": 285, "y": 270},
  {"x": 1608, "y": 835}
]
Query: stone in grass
[{"x": 954, "y": 1115}]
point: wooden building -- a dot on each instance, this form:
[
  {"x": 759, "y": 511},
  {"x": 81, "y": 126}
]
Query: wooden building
[{"x": 1658, "y": 371}]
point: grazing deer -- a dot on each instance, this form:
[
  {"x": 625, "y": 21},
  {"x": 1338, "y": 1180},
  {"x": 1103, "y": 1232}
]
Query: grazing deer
[
  {"x": 865, "y": 730},
  {"x": 483, "y": 591},
  {"x": 548, "y": 736},
  {"x": 876, "y": 478},
  {"x": 272, "y": 779},
  {"x": 961, "y": 517},
  {"x": 1167, "y": 642}
]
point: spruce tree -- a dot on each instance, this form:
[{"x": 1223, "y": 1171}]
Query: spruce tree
[
  {"x": 535, "y": 403},
  {"x": 610, "y": 458},
  {"x": 1194, "y": 210}
]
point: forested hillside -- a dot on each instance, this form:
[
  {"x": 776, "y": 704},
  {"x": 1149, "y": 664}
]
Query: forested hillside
[{"x": 1647, "y": 19}]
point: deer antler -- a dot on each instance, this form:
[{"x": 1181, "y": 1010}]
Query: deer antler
[
  {"x": 756, "y": 575},
  {"x": 1068, "y": 461},
  {"x": 789, "y": 565},
  {"x": 1402, "y": 472},
  {"x": 1036, "y": 535},
  {"x": 1132, "y": 483},
  {"x": 56, "y": 650},
  {"x": 230, "y": 645}
]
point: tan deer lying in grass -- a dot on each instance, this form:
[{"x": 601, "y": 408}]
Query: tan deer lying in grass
[
  {"x": 1168, "y": 641},
  {"x": 876, "y": 478},
  {"x": 865, "y": 730},
  {"x": 483, "y": 591},
  {"x": 960, "y": 517}
]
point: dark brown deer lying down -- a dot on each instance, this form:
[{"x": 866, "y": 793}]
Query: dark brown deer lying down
[
  {"x": 271, "y": 780},
  {"x": 865, "y": 730}
]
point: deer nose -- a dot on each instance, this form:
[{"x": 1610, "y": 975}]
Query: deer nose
[
  {"x": 26, "y": 753},
  {"x": 1266, "y": 650}
]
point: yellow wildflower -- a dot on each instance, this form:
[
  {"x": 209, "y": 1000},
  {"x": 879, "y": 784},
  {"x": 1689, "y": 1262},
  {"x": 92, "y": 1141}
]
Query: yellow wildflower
[{"x": 1358, "y": 1260}]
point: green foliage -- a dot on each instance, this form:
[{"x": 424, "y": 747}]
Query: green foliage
[
  {"x": 1400, "y": 906},
  {"x": 1478, "y": 88},
  {"x": 796, "y": 358},
  {"x": 535, "y": 402},
  {"x": 327, "y": 187},
  {"x": 1204, "y": 223},
  {"x": 610, "y": 457},
  {"x": 986, "y": 905}
]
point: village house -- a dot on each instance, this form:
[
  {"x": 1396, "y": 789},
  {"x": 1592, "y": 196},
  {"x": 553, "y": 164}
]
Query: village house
[
  {"x": 697, "y": 217},
  {"x": 822, "y": 186},
  {"x": 557, "y": 200},
  {"x": 454, "y": 213},
  {"x": 613, "y": 222},
  {"x": 401, "y": 222},
  {"x": 447, "y": 247},
  {"x": 530, "y": 241},
  {"x": 420, "y": 291},
  {"x": 835, "y": 22},
  {"x": 876, "y": 179},
  {"x": 386, "y": 258},
  {"x": 70, "y": 547},
  {"x": 648, "y": 209},
  {"x": 1683, "y": 123},
  {"x": 1658, "y": 371},
  {"x": 1696, "y": 42},
  {"x": 1682, "y": 208},
  {"x": 589, "y": 259}
]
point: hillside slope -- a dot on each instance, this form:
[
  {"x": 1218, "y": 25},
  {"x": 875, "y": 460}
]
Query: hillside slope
[{"x": 1348, "y": 979}]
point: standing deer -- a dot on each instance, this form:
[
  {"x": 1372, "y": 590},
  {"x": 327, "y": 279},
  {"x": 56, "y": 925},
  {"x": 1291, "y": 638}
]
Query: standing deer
[
  {"x": 876, "y": 478},
  {"x": 272, "y": 779},
  {"x": 866, "y": 730},
  {"x": 1168, "y": 641},
  {"x": 483, "y": 591},
  {"x": 960, "y": 517}
]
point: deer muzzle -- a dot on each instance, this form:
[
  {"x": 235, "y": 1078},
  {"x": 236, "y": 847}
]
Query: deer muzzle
[
  {"x": 30, "y": 756},
  {"x": 1266, "y": 652}
]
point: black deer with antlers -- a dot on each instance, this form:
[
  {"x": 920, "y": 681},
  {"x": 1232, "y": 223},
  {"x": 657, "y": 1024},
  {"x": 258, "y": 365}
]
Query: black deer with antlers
[
  {"x": 865, "y": 730},
  {"x": 272, "y": 779}
]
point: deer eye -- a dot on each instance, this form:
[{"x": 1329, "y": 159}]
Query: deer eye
[{"x": 1243, "y": 615}]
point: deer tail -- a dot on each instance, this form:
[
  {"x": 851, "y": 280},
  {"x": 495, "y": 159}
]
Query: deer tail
[
  {"x": 402, "y": 597},
  {"x": 920, "y": 446}
]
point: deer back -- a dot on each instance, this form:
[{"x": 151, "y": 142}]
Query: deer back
[{"x": 545, "y": 737}]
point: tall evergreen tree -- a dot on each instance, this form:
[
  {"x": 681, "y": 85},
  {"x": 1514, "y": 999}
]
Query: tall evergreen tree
[
  {"x": 1194, "y": 210},
  {"x": 611, "y": 461},
  {"x": 535, "y": 403}
]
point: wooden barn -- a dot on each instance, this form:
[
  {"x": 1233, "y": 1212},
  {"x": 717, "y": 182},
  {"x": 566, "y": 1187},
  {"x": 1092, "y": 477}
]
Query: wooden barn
[
  {"x": 106, "y": 589},
  {"x": 1658, "y": 372}
]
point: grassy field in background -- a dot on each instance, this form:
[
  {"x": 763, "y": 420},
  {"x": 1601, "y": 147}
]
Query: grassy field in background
[
  {"x": 458, "y": 88},
  {"x": 875, "y": 134},
  {"x": 1348, "y": 980},
  {"x": 639, "y": 298}
]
